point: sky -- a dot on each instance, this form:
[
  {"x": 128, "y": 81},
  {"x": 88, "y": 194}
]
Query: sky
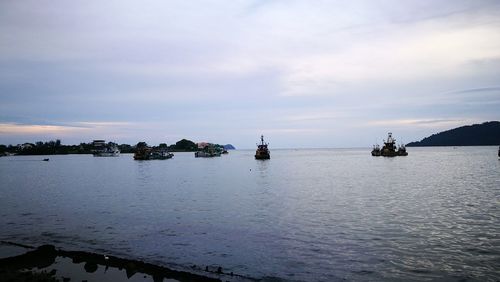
[{"x": 305, "y": 74}]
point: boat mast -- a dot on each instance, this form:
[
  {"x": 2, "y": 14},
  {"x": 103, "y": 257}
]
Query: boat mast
[{"x": 389, "y": 138}]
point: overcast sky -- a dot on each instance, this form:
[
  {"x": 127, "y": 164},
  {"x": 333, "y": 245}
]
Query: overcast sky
[{"x": 303, "y": 73}]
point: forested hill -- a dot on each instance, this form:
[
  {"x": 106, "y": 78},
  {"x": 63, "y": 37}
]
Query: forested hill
[{"x": 484, "y": 134}]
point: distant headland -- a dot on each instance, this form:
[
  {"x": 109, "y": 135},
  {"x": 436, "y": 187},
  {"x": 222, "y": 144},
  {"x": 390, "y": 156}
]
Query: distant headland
[{"x": 485, "y": 134}]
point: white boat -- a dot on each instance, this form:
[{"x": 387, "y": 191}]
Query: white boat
[
  {"x": 112, "y": 152},
  {"x": 101, "y": 149}
]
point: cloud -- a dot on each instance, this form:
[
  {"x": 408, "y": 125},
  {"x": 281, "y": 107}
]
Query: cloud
[
  {"x": 476, "y": 90},
  {"x": 430, "y": 123},
  {"x": 314, "y": 116},
  {"x": 34, "y": 129},
  {"x": 165, "y": 69},
  {"x": 293, "y": 131},
  {"x": 73, "y": 132}
]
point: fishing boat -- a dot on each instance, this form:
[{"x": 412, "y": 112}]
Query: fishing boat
[
  {"x": 144, "y": 152},
  {"x": 160, "y": 155},
  {"x": 208, "y": 151},
  {"x": 262, "y": 152},
  {"x": 203, "y": 154},
  {"x": 402, "y": 150},
  {"x": 390, "y": 149},
  {"x": 101, "y": 149}
]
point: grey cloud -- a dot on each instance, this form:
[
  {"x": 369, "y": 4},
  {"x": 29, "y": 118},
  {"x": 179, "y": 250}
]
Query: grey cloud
[
  {"x": 475, "y": 90},
  {"x": 220, "y": 69}
]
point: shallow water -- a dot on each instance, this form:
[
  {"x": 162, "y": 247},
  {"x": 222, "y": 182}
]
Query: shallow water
[{"x": 311, "y": 215}]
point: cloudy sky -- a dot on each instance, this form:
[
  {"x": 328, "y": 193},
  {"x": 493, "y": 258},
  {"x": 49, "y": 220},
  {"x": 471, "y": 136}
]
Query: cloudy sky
[{"x": 303, "y": 73}]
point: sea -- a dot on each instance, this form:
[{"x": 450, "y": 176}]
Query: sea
[{"x": 303, "y": 215}]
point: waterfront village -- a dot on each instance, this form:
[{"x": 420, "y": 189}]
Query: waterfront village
[{"x": 101, "y": 148}]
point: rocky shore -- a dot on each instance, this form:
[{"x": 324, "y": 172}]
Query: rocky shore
[{"x": 47, "y": 263}]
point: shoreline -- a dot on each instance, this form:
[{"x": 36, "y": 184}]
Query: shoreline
[{"x": 48, "y": 263}]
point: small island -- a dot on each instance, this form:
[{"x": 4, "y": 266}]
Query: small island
[{"x": 229, "y": 147}]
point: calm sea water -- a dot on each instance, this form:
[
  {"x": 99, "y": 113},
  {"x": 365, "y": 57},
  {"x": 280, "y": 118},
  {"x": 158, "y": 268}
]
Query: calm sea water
[{"x": 305, "y": 215}]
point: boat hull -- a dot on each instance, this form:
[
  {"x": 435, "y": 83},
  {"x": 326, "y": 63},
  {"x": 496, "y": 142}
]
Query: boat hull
[
  {"x": 262, "y": 155},
  {"x": 257, "y": 157},
  {"x": 112, "y": 154},
  {"x": 161, "y": 156},
  {"x": 202, "y": 154}
]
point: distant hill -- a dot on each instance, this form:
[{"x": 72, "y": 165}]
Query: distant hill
[
  {"x": 229, "y": 147},
  {"x": 484, "y": 134}
]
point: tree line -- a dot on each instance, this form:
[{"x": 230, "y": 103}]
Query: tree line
[
  {"x": 485, "y": 134},
  {"x": 55, "y": 147}
]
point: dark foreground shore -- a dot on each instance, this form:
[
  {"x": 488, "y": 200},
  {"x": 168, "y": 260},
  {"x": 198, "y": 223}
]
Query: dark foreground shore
[{"x": 46, "y": 263}]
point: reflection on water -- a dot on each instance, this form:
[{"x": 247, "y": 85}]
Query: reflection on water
[
  {"x": 143, "y": 172},
  {"x": 302, "y": 215},
  {"x": 262, "y": 173}
]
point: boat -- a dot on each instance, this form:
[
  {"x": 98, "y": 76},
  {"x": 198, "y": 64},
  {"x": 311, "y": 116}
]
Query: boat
[
  {"x": 208, "y": 152},
  {"x": 390, "y": 149},
  {"x": 143, "y": 152},
  {"x": 499, "y": 151},
  {"x": 262, "y": 152},
  {"x": 376, "y": 151},
  {"x": 101, "y": 149},
  {"x": 45, "y": 160},
  {"x": 160, "y": 155},
  {"x": 202, "y": 154},
  {"x": 402, "y": 150}
]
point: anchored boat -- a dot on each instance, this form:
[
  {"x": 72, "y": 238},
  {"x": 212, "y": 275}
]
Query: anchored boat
[
  {"x": 402, "y": 150},
  {"x": 144, "y": 152},
  {"x": 101, "y": 149},
  {"x": 389, "y": 149},
  {"x": 376, "y": 151},
  {"x": 160, "y": 155},
  {"x": 208, "y": 152},
  {"x": 262, "y": 152}
]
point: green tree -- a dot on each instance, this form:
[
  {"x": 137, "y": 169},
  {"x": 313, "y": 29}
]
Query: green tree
[
  {"x": 141, "y": 145},
  {"x": 185, "y": 145},
  {"x": 126, "y": 148}
]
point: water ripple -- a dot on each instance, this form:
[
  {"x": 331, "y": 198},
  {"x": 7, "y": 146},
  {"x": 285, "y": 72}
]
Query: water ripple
[{"x": 304, "y": 215}]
